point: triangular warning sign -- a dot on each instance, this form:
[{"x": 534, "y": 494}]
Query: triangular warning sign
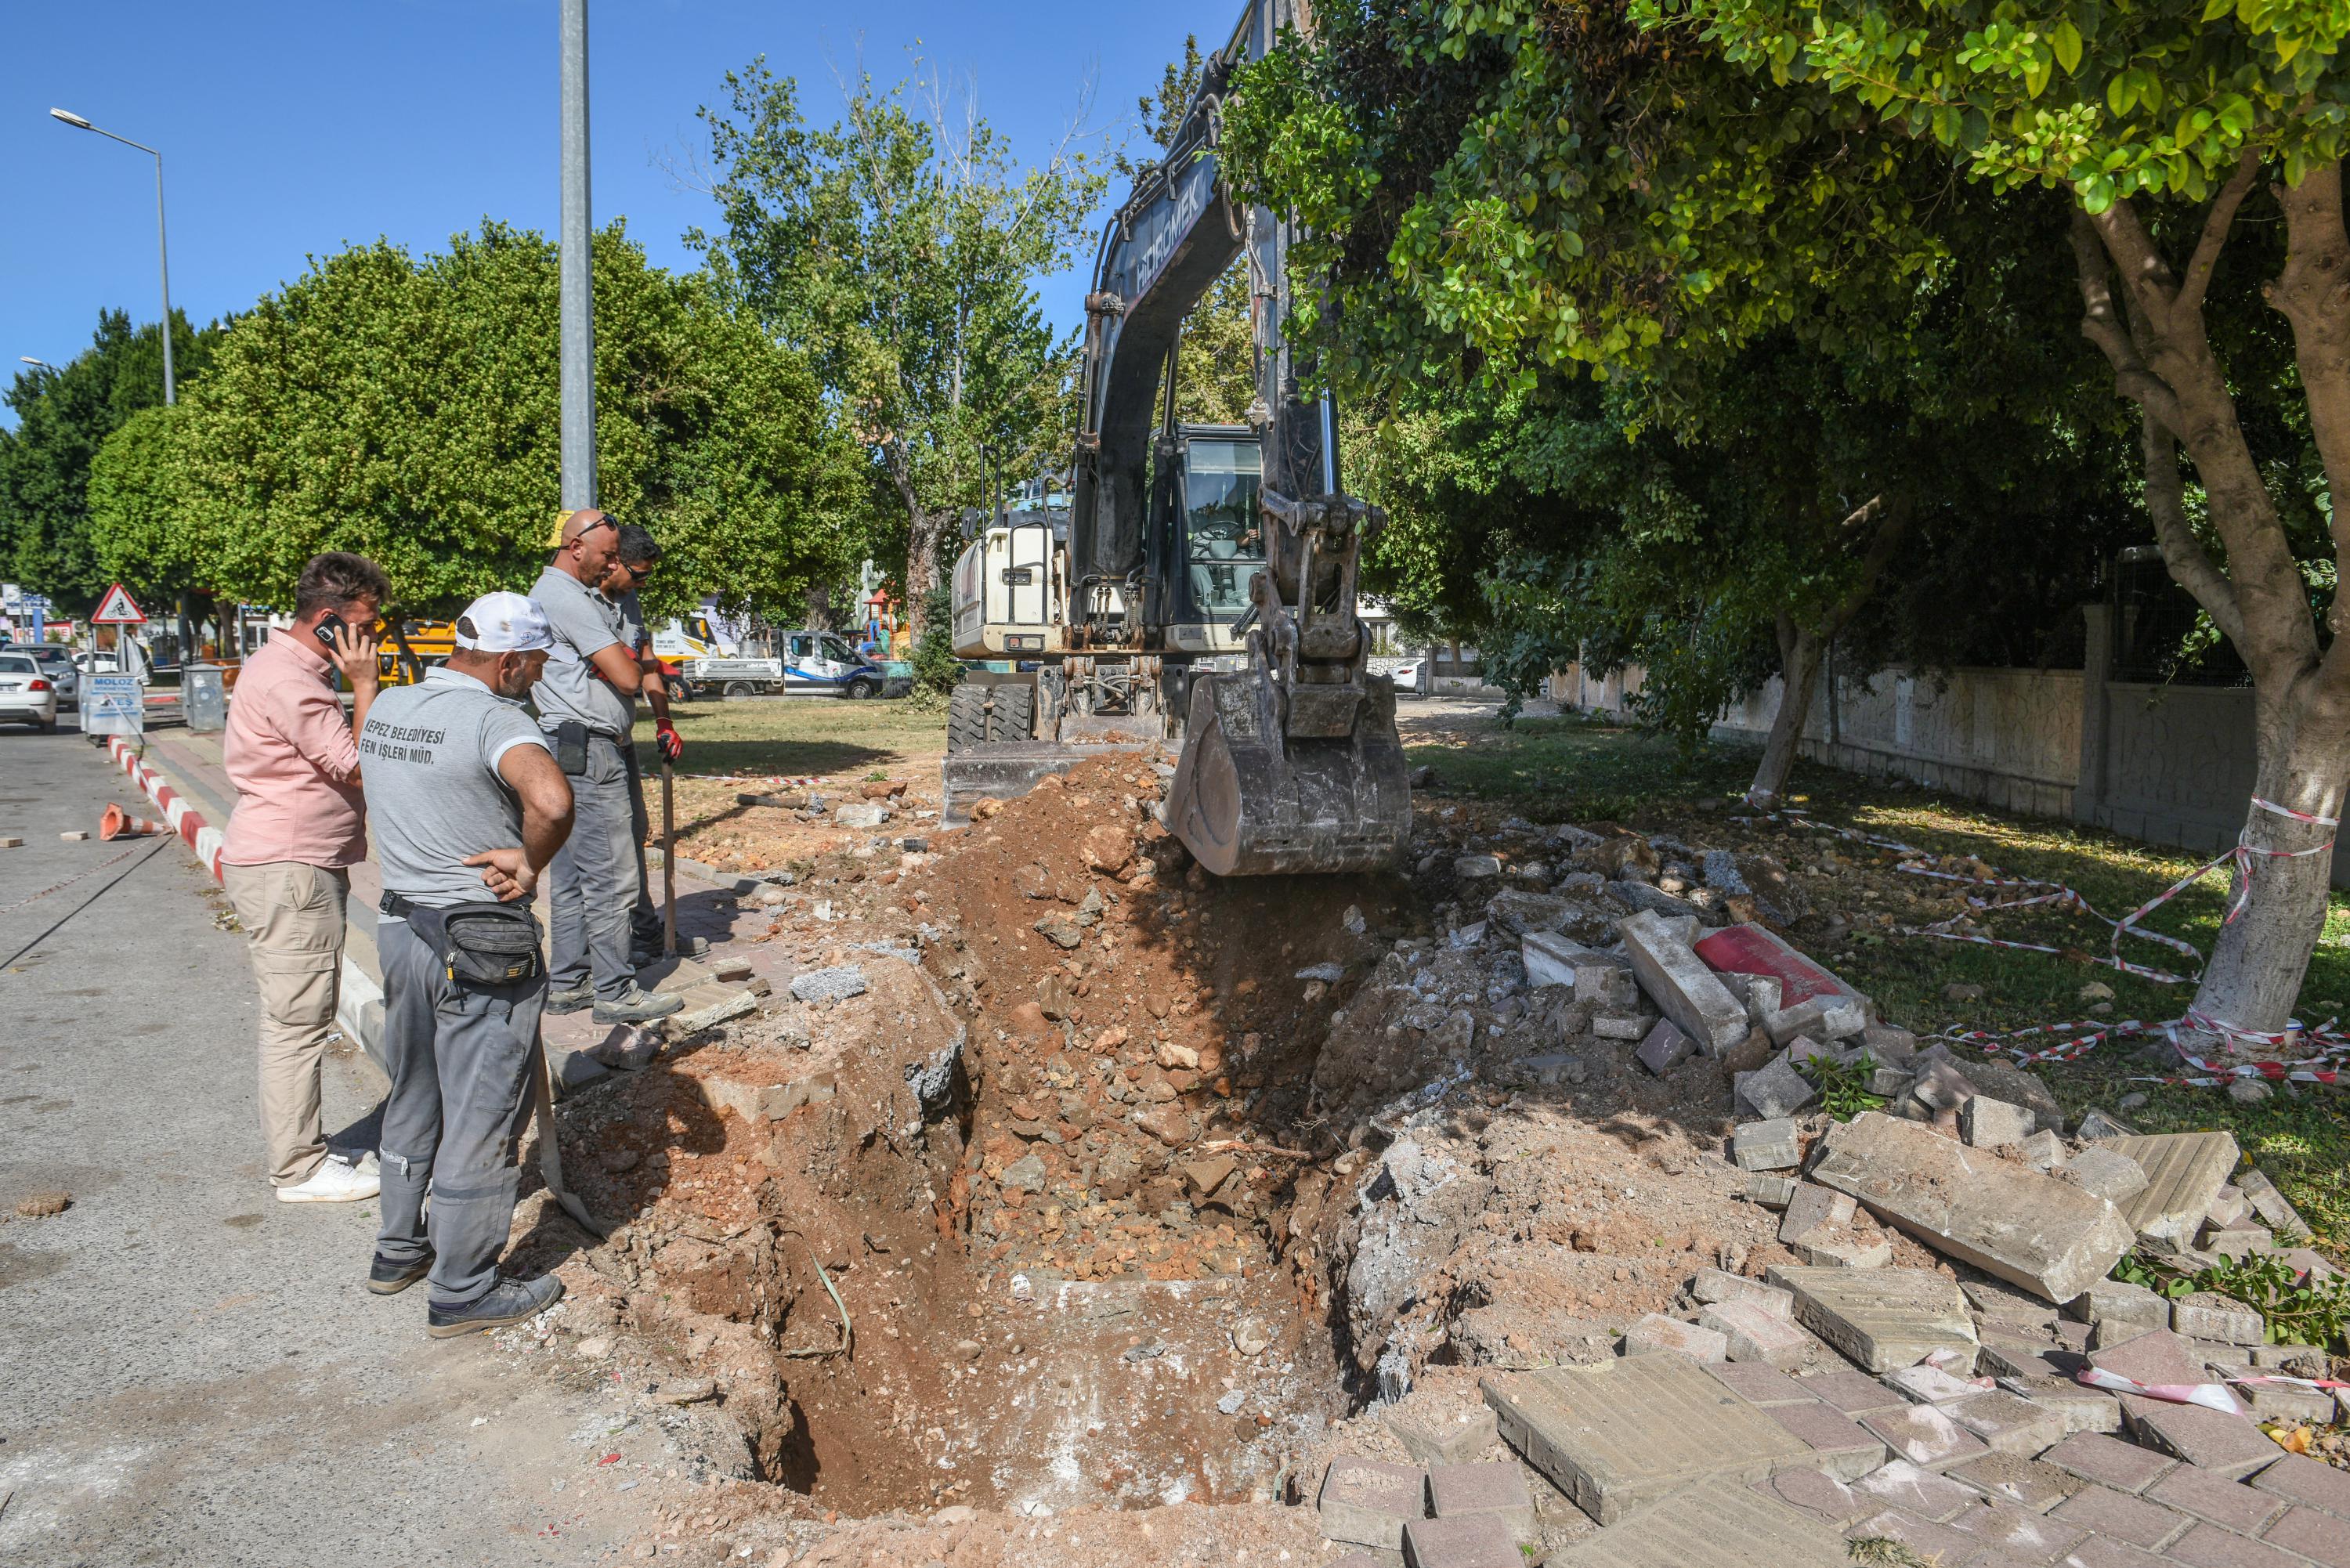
[{"x": 116, "y": 610}]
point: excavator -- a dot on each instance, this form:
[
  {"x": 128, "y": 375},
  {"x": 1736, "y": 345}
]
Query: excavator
[{"x": 1200, "y": 584}]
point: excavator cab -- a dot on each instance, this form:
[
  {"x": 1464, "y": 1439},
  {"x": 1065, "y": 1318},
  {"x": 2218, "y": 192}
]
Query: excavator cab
[{"x": 1223, "y": 536}]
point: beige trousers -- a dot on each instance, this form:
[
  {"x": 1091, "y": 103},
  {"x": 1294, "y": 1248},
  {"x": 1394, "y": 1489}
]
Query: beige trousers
[{"x": 294, "y": 915}]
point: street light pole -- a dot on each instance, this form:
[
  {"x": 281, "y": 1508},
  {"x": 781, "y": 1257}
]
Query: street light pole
[
  {"x": 163, "y": 247},
  {"x": 578, "y": 287}
]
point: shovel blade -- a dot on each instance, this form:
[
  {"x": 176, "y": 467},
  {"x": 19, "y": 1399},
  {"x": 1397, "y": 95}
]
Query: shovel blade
[{"x": 1250, "y": 801}]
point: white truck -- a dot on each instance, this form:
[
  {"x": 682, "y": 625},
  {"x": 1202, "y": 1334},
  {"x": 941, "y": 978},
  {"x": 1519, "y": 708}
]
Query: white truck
[{"x": 814, "y": 664}]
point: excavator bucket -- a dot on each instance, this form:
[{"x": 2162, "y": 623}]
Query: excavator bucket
[{"x": 1250, "y": 800}]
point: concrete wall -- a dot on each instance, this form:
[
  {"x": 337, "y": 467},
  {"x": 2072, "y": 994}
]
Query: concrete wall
[{"x": 2169, "y": 765}]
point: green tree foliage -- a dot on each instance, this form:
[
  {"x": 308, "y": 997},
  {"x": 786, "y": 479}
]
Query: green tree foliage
[
  {"x": 407, "y": 408},
  {"x": 138, "y": 531},
  {"x": 64, "y": 417},
  {"x": 898, "y": 250}
]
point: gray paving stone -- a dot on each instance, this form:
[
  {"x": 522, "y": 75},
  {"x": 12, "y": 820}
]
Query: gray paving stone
[
  {"x": 2208, "y": 1314},
  {"x": 1709, "y": 1526},
  {"x": 2158, "y": 1355},
  {"x": 2230, "y": 1504},
  {"x": 1683, "y": 988},
  {"x": 1932, "y": 1543},
  {"x": 2316, "y": 1536},
  {"x": 1882, "y": 1318},
  {"x": 1435, "y": 1442},
  {"x": 1923, "y": 1492},
  {"x": 1776, "y": 1090},
  {"x": 2208, "y": 1546},
  {"x": 1711, "y": 1286},
  {"x": 1849, "y": 1391},
  {"x": 2026, "y": 1483},
  {"x": 1771, "y": 1192},
  {"x": 2104, "y": 1171},
  {"x": 1366, "y": 1502},
  {"x": 1928, "y": 1384},
  {"x": 2030, "y": 1537},
  {"x": 1815, "y": 1208},
  {"x": 1480, "y": 1541},
  {"x": 1617, "y": 1434},
  {"x": 2005, "y": 1218},
  {"x": 2184, "y": 1172},
  {"x": 2099, "y": 1552},
  {"x": 2109, "y": 1461},
  {"x": 1838, "y": 1444},
  {"x": 1758, "y": 1384},
  {"x": 1986, "y": 1123},
  {"x": 1658, "y": 1331},
  {"x": 2010, "y": 1423},
  {"x": 2228, "y": 1445},
  {"x": 1818, "y": 1494},
  {"x": 2271, "y": 1205},
  {"x": 1926, "y": 1435},
  {"x": 2118, "y": 1300},
  {"x": 2297, "y": 1479},
  {"x": 1492, "y": 1490},
  {"x": 1755, "y": 1334},
  {"x": 2084, "y": 1409},
  {"x": 2123, "y": 1517},
  {"x": 2004, "y": 1358},
  {"x": 1997, "y": 1301},
  {"x": 1765, "y": 1146},
  {"x": 1666, "y": 1048}
]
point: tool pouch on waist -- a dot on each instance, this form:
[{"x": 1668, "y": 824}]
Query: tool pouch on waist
[
  {"x": 478, "y": 944},
  {"x": 571, "y": 747}
]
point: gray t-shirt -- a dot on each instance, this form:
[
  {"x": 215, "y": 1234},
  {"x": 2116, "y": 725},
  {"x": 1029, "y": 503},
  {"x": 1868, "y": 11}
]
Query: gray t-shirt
[
  {"x": 584, "y": 621},
  {"x": 428, "y": 761},
  {"x": 632, "y": 624}
]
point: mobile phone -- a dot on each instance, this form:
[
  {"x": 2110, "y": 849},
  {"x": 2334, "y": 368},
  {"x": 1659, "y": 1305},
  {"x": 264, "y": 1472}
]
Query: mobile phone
[{"x": 328, "y": 626}]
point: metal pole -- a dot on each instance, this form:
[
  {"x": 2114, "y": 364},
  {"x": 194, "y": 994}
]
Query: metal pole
[
  {"x": 163, "y": 256},
  {"x": 578, "y": 310}
]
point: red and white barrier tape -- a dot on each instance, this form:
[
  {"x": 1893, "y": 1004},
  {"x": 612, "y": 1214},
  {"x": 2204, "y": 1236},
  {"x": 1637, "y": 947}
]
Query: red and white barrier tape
[
  {"x": 185, "y": 819},
  {"x": 749, "y": 779},
  {"x": 2332, "y": 1045}
]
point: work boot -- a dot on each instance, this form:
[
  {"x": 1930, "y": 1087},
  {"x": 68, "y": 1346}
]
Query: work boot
[
  {"x": 388, "y": 1279},
  {"x": 505, "y": 1304},
  {"x": 644, "y": 955},
  {"x": 638, "y": 1005},
  {"x": 335, "y": 1182},
  {"x": 571, "y": 1001}
]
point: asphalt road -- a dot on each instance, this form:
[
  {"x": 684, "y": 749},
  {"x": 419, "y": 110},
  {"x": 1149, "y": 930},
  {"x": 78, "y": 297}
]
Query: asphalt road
[{"x": 190, "y": 1371}]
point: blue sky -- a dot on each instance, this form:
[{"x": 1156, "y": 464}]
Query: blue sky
[{"x": 292, "y": 128}]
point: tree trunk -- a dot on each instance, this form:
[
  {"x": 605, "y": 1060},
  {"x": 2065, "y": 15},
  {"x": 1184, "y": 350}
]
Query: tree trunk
[
  {"x": 2256, "y": 966},
  {"x": 2159, "y": 349},
  {"x": 1803, "y": 648},
  {"x": 1800, "y": 653},
  {"x": 924, "y": 530}
]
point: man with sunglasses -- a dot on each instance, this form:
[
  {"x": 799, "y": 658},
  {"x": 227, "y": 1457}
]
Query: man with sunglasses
[
  {"x": 638, "y": 550},
  {"x": 586, "y": 701}
]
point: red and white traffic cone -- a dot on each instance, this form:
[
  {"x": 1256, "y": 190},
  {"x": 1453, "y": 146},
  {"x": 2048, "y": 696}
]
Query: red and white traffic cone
[{"x": 119, "y": 824}]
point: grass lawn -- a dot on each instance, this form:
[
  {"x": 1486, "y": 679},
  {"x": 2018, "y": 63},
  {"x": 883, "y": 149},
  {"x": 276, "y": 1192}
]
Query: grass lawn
[
  {"x": 801, "y": 735},
  {"x": 1572, "y": 769}
]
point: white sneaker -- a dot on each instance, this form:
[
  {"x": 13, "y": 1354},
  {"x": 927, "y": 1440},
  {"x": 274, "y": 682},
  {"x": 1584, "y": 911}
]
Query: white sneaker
[{"x": 332, "y": 1182}]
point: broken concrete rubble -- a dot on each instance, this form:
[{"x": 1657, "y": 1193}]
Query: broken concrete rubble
[
  {"x": 1778, "y": 1090},
  {"x": 2184, "y": 1173},
  {"x": 1656, "y": 1331},
  {"x": 2005, "y": 1218},
  {"x": 1368, "y": 1502},
  {"x": 1764, "y": 1146},
  {"x": 1665, "y": 1048},
  {"x": 1683, "y": 988},
  {"x": 1883, "y": 1318},
  {"x": 1754, "y": 1332},
  {"x": 2106, "y": 1171},
  {"x": 1986, "y": 1123}
]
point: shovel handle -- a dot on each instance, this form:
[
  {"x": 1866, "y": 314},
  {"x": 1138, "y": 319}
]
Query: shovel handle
[{"x": 668, "y": 858}]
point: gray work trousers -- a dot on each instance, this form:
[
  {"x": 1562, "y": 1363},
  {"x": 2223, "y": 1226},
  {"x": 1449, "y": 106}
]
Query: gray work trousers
[
  {"x": 463, "y": 1061},
  {"x": 592, "y": 883},
  {"x": 645, "y": 925}
]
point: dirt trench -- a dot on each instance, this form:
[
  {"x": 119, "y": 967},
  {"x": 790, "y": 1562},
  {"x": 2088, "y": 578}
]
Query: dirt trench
[{"x": 1061, "y": 1161}]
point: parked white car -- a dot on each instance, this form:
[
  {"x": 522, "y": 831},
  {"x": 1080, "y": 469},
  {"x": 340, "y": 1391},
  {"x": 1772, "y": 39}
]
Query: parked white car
[
  {"x": 57, "y": 662},
  {"x": 27, "y": 695}
]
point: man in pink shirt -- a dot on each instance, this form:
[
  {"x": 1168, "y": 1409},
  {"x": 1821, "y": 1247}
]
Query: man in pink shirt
[{"x": 299, "y": 823}]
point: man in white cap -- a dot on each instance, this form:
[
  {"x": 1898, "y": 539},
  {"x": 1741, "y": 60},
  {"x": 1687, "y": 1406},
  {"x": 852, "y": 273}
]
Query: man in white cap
[{"x": 468, "y": 808}]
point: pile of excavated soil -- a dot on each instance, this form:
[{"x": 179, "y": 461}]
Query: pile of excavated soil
[{"x": 1131, "y": 1182}]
